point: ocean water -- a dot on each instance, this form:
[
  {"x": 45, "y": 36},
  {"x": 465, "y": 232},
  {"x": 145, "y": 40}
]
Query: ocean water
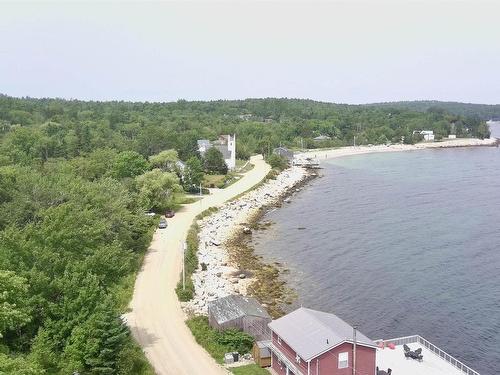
[{"x": 400, "y": 244}]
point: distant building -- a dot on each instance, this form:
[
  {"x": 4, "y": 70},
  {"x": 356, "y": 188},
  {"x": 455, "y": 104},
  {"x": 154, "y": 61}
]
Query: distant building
[
  {"x": 284, "y": 152},
  {"x": 314, "y": 343},
  {"x": 245, "y": 117},
  {"x": 322, "y": 138},
  {"x": 203, "y": 145},
  {"x": 226, "y": 144},
  {"x": 452, "y": 136},
  {"x": 245, "y": 313},
  {"x": 428, "y": 135}
]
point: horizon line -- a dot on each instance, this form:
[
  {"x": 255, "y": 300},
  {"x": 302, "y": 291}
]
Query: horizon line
[{"x": 234, "y": 100}]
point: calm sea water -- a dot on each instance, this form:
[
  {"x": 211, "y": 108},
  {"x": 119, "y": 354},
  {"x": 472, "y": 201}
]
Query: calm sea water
[{"x": 401, "y": 244}]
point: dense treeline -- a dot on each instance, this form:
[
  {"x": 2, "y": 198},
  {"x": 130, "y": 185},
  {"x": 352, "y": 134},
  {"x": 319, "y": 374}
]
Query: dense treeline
[
  {"x": 483, "y": 111},
  {"x": 47, "y": 128},
  {"x": 76, "y": 178}
]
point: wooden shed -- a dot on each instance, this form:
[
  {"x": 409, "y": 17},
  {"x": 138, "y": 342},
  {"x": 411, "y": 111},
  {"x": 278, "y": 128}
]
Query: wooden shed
[
  {"x": 244, "y": 313},
  {"x": 261, "y": 353}
]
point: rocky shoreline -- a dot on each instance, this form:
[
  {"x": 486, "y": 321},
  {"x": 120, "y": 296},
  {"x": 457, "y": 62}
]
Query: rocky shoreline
[{"x": 227, "y": 264}]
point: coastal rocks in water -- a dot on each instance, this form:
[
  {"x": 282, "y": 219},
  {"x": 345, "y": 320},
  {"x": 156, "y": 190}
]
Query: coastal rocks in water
[{"x": 216, "y": 277}]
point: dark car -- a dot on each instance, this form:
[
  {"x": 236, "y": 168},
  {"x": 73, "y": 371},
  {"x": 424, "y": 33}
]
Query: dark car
[
  {"x": 163, "y": 224},
  {"x": 170, "y": 213}
]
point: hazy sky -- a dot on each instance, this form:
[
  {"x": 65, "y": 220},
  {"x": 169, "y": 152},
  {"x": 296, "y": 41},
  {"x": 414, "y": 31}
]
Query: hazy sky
[{"x": 350, "y": 52}]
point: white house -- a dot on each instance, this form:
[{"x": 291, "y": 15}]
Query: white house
[
  {"x": 226, "y": 144},
  {"x": 428, "y": 135}
]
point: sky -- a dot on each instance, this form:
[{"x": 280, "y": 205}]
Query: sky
[{"x": 335, "y": 51}]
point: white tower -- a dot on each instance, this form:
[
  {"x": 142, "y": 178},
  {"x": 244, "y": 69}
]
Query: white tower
[{"x": 231, "y": 147}]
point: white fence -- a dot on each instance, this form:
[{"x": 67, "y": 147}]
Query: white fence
[{"x": 433, "y": 348}]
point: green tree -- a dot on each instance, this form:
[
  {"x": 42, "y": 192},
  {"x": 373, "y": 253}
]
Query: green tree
[
  {"x": 214, "y": 161},
  {"x": 129, "y": 164},
  {"x": 158, "y": 190},
  {"x": 277, "y": 161},
  {"x": 165, "y": 160},
  {"x": 483, "y": 130},
  {"x": 18, "y": 366},
  {"x": 14, "y": 310},
  {"x": 95, "y": 346},
  {"x": 193, "y": 174}
]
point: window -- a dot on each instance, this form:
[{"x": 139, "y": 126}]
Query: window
[{"x": 343, "y": 360}]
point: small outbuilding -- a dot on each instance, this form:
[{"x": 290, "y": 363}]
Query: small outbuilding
[
  {"x": 245, "y": 313},
  {"x": 283, "y": 152},
  {"x": 261, "y": 353}
]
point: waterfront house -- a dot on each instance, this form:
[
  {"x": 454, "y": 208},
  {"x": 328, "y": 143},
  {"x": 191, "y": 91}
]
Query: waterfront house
[
  {"x": 236, "y": 311},
  {"x": 309, "y": 342},
  {"x": 321, "y": 138},
  {"x": 226, "y": 144},
  {"x": 428, "y": 135}
]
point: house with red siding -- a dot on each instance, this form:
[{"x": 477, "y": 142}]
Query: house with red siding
[{"x": 310, "y": 342}]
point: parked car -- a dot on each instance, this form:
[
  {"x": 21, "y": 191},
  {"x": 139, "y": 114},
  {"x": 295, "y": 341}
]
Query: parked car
[
  {"x": 163, "y": 224},
  {"x": 170, "y": 213},
  {"x": 149, "y": 213}
]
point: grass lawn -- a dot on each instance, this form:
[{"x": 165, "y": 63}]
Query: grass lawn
[
  {"x": 214, "y": 180},
  {"x": 220, "y": 181},
  {"x": 190, "y": 199},
  {"x": 249, "y": 370},
  {"x": 241, "y": 163}
]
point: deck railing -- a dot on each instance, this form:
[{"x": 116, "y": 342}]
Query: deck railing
[{"x": 433, "y": 348}]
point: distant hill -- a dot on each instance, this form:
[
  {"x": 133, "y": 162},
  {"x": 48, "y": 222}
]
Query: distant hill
[{"x": 484, "y": 111}]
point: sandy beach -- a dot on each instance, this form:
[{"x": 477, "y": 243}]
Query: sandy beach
[{"x": 357, "y": 150}]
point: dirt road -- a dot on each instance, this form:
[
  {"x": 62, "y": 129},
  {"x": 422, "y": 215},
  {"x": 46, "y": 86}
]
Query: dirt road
[{"x": 156, "y": 318}]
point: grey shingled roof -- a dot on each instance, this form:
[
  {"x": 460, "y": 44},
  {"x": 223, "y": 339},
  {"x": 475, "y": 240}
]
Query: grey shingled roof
[
  {"x": 224, "y": 150},
  {"x": 310, "y": 332},
  {"x": 204, "y": 143},
  {"x": 234, "y": 306}
]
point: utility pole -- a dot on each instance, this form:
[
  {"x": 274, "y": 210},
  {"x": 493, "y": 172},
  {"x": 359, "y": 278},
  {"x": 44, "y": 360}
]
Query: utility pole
[
  {"x": 201, "y": 196},
  {"x": 184, "y": 266},
  {"x": 354, "y": 328},
  {"x": 354, "y": 141}
]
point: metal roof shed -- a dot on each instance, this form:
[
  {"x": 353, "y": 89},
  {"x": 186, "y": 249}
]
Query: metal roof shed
[{"x": 245, "y": 313}]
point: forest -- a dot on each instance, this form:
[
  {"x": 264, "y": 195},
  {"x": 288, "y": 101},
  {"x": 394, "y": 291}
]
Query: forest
[
  {"x": 484, "y": 111},
  {"x": 76, "y": 178}
]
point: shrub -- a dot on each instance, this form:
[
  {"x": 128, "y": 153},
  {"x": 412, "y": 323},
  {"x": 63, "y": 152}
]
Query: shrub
[
  {"x": 191, "y": 264},
  {"x": 277, "y": 162},
  {"x": 218, "y": 343},
  {"x": 235, "y": 340}
]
